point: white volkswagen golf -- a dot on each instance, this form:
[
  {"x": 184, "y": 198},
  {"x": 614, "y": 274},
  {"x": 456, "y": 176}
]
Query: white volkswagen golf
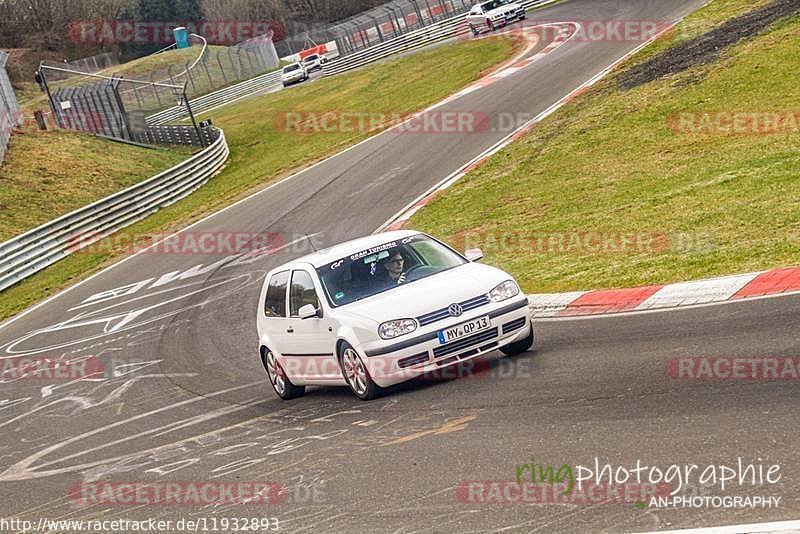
[{"x": 383, "y": 309}]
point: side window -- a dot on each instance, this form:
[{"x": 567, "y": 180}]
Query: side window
[
  {"x": 301, "y": 293},
  {"x": 275, "y": 304}
]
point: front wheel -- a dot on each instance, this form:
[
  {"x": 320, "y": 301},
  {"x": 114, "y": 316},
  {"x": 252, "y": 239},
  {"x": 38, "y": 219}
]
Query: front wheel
[
  {"x": 520, "y": 346},
  {"x": 474, "y": 30},
  {"x": 281, "y": 384},
  {"x": 357, "y": 375},
  {"x": 490, "y": 25}
]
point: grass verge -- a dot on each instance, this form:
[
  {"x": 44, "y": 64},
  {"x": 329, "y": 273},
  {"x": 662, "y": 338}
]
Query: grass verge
[
  {"x": 558, "y": 207},
  {"x": 262, "y": 152},
  {"x": 48, "y": 174}
]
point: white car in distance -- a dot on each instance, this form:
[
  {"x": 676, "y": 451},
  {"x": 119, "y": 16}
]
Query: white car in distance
[
  {"x": 384, "y": 309},
  {"x": 314, "y": 62},
  {"x": 494, "y": 14},
  {"x": 293, "y": 73}
]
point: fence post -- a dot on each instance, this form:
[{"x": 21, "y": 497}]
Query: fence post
[
  {"x": 49, "y": 95},
  {"x": 221, "y": 68},
  {"x": 123, "y": 115},
  {"x": 191, "y": 116},
  {"x": 189, "y": 75},
  {"x": 204, "y": 62},
  {"x": 155, "y": 91}
]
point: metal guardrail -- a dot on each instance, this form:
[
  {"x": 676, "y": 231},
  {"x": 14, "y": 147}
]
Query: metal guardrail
[
  {"x": 451, "y": 27},
  {"x": 36, "y": 249},
  {"x": 414, "y": 39},
  {"x": 211, "y": 100}
]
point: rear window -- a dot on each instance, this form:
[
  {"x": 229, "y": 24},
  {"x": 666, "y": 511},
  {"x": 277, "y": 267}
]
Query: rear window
[{"x": 275, "y": 303}]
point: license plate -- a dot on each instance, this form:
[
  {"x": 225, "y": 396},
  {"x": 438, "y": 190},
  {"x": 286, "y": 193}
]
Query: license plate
[{"x": 464, "y": 329}]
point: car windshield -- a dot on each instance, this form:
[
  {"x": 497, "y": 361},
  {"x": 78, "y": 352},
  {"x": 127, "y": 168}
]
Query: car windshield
[
  {"x": 385, "y": 267},
  {"x": 309, "y": 59},
  {"x": 291, "y": 68},
  {"x": 494, "y": 4}
]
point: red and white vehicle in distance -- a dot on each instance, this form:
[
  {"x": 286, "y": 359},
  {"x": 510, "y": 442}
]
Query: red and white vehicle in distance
[
  {"x": 384, "y": 309},
  {"x": 494, "y": 14}
]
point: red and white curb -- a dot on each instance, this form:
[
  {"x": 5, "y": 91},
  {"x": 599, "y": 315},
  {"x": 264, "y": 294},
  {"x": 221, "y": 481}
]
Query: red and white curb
[
  {"x": 563, "y": 35},
  {"x": 723, "y": 289},
  {"x": 584, "y": 303}
]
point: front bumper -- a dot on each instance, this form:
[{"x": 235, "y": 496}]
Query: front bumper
[
  {"x": 393, "y": 362},
  {"x": 511, "y": 16}
]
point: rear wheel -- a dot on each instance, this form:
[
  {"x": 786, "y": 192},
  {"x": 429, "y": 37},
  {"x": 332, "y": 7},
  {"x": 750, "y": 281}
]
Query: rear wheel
[
  {"x": 520, "y": 346},
  {"x": 281, "y": 384},
  {"x": 357, "y": 375}
]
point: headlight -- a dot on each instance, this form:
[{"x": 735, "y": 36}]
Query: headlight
[
  {"x": 396, "y": 328},
  {"x": 504, "y": 291}
]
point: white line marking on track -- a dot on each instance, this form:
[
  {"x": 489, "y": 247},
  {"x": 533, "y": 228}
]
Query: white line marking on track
[
  {"x": 753, "y": 528},
  {"x": 66, "y": 290}
]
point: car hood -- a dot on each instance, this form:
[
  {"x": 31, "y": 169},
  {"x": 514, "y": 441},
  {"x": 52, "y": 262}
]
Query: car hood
[{"x": 429, "y": 294}]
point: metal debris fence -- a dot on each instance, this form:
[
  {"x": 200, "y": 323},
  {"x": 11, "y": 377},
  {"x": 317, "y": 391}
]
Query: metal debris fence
[
  {"x": 376, "y": 25},
  {"x": 10, "y": 116}
]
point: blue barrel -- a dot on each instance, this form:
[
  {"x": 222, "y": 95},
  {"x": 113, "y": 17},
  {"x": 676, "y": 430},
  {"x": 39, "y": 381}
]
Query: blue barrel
[{"x": 181, "y": 37}]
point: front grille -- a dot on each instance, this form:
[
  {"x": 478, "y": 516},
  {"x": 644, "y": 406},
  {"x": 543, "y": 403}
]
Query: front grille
[
  {"x": 444, "y": 313},
  {"x": 456, "y": 346},
  {"x": 516, "y": 324},
  {"x": 413, "y": 360}
]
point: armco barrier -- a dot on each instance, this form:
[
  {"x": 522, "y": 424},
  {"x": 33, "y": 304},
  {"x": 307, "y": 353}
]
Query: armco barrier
[
  {"x": 424, "y": 36},
  {"x": 36, "y": 249},
  {"x": 223, "y": 96},
  {"x": 413, "y": 39}
]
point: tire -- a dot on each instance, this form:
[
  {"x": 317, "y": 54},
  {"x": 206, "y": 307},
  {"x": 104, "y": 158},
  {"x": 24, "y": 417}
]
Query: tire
[
  {"x": 356, "y": 374},
  {"x": 475, "y": 31},
  {"x": 523, "y": 345},
  {"x": 281, "y": 384},
  {"x": 285, "y": 84},
  {"x": 489, "y": 25}
]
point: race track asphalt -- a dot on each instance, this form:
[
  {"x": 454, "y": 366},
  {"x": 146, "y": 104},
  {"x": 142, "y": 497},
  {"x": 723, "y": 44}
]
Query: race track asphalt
[{"x": 184, "y": 398}]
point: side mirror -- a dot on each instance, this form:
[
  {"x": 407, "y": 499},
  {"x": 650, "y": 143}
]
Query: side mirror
[
  {"x": 473, "y": 254},
  {"x": 308, "y": 311}
]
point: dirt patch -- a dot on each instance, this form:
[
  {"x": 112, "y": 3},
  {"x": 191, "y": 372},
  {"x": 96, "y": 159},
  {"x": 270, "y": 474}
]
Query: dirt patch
[{"x": 707, "y": 47}]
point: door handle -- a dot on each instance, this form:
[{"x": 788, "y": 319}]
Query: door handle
[{"x": 290, "y": 330}]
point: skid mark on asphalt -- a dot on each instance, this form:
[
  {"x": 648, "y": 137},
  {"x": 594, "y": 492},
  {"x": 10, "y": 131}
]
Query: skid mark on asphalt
[{"x": 454, "y": 425}]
